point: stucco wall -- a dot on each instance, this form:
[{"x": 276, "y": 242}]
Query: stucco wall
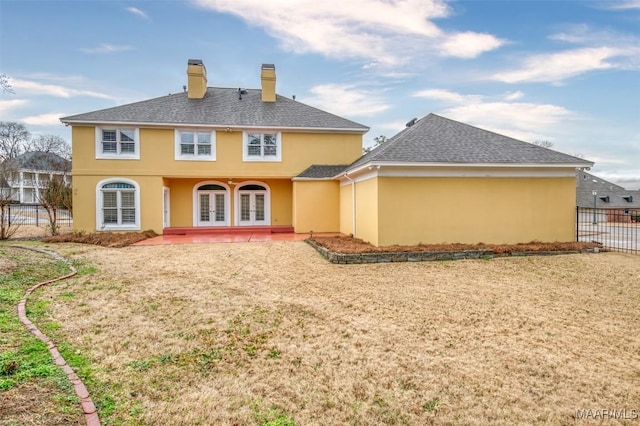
[
  {"x": 367, "y": 225},
  {"x": 84, "y": 196},
  {"x": 316, "y": 206},
  {"x": 346, "y": 209},
  {"x": 473, "y": 210},
  {"x": 157, "y": 164}
]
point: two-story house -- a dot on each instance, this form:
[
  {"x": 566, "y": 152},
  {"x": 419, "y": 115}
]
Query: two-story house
[
  {"x": 235, "y": 158},
  {"x": 26, "y": 175},
  {"x": 208, "y": 157}
]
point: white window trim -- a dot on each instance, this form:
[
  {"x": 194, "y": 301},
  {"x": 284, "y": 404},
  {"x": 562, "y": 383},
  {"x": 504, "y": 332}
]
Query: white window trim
[
  {"x": 236, "y": 201},
  {"x": 227, "y": 201},
  {"x": 99, "y": 200},
  {"x": 126, "y": 156},
  {"x": 252, "y": 158},
  {"x": 178, "y": 155}
]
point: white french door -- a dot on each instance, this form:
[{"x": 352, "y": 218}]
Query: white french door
[
  {"x": 253, "y": 208},
  {"x": 212, "y": 208}
]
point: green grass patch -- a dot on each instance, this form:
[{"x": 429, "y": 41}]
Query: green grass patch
[{"x": 25, "y": 359}]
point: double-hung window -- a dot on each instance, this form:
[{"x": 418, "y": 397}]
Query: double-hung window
[
  {"x": 118, "y": 205},
  {"x": 262, "y": 146},
  {"x": 195, "y": 145},
  {"x": 117, "y": 143}
]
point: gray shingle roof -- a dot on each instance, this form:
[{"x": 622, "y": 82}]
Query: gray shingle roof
[
  {"x": 318, "y": 171},
  {"x": 587, "y": 183},
  {"x": 37, "y": 160},
  {"x": 435, "y": 139},
  {"x": 221, "y": 107}
]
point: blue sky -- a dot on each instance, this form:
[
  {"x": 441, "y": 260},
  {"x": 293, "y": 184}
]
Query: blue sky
[{"x": 563, "y": 71}]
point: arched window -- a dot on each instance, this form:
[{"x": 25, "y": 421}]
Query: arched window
[
  {"x": 252, "y": 187},
  {"x": 211, "y": 187},
  {"x": 117, "y": 205}
]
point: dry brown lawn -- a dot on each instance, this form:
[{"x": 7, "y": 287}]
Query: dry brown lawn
[
  {"x": 32, "y": 231},
  {"x": 241, "y": 333},
  {"x": 32, "y": 404}
]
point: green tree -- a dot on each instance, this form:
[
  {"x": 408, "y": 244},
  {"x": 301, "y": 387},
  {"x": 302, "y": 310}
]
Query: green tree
[{"x": 379, "y": 140}]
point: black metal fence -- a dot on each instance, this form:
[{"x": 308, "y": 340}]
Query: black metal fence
[
  {"x": 615, "y": 229},
  {"x": 34, "y": 215}
]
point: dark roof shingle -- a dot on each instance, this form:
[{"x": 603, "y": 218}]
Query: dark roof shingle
[
  {"x": 318, "y": 171},
  {"x": 617, "y": 196},
  {"x": 221, "y": 107},
  {"x": 435, "y": 139},
  {"x": 38, "y": 160}
]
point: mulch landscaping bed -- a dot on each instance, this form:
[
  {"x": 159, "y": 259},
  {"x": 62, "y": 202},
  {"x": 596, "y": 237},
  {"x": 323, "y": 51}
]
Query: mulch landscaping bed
[
  {"x": 354, "y": 250},
  {"x": 105, "y": 239}
]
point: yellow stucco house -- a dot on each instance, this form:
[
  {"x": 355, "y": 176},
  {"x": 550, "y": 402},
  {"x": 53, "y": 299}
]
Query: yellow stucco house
[{"x": 221, "y": 158}]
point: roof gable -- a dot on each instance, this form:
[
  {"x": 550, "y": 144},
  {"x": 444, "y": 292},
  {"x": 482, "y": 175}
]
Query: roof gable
[
  {"x": 221, "y": 107},
  {"x": 435, "y": 139}
]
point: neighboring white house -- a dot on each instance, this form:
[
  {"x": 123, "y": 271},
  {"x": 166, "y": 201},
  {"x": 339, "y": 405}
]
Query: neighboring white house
[{"x": 24, "y": 176}]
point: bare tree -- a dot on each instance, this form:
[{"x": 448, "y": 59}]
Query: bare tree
[
  {"x": 56, "y": 195},
  {"x": 50, "y": 143},
  {"x": 544, "y": 143},
  {"x": 13, "y": 139},
  {"x": 4, "y": 84},
  {"x": 9, "y": 223}
]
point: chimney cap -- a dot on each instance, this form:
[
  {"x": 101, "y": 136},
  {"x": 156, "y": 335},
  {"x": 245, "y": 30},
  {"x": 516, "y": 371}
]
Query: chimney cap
[
  {"x": 268, "y": 66},
  {"x": 195, "y": 62}
]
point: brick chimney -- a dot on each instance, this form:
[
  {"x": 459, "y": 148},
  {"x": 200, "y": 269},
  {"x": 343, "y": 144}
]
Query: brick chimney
[
  {"x": 268, "y": 80},
  {"x": 196, "y": 79}
]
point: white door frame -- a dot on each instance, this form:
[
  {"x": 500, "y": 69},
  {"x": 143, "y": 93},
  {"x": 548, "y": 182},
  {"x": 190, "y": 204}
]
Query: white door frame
[
  {"x": 166, "y": 206},
  {"x": 267, "y": 202},
  {"x": 196, "y": 202}
]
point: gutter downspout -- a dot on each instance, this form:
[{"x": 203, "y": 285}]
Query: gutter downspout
[{"x": 353, "y": 203}]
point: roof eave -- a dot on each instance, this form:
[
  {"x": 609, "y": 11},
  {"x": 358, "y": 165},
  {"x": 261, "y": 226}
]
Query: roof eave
[
  {"x": 379, "y": 164},
  {"x": 232, "y": 127}
]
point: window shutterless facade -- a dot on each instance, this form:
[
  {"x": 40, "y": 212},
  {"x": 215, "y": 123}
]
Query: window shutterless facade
[
  {"x": 262, "y": 146},
  {"x": 115, "y": 142},
  {"x": 195, "y": 145},
  {"x": 118, "y": 205}
]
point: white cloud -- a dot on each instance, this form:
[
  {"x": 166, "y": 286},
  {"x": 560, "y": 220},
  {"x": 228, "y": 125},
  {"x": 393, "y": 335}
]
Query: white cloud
[
  {"x": 7, "y": 105},
  {"x": 522, "y": 120},
  {"x": 512, "y": 96},
  {"x": 446, "y": 96},
  {"x": 622, "y": 5},
  {"x": 555, "y": 67},
  {"x": 346, "y": 99},
  {"x": 105, "y": 48},
  {"x": 55, "y": 89},
  {"x": 526, "y": 120},
  {"x": 389, "y": 32},
  {"x": 48, "y": 119},
  {"x": 469, "y": 44},
  {"x": 137, "y": 12}
]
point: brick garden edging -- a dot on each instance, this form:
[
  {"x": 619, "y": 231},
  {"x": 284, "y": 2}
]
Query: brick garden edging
[
  {"x": 88, "y": 407},
  {"x": 425, "y": 256}
]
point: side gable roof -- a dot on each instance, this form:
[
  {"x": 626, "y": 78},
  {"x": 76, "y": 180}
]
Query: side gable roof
[
  {"x": 435, "y": 139},
  {"x": 221, "y": 107},
  {"x": 608, "y": 195}
]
